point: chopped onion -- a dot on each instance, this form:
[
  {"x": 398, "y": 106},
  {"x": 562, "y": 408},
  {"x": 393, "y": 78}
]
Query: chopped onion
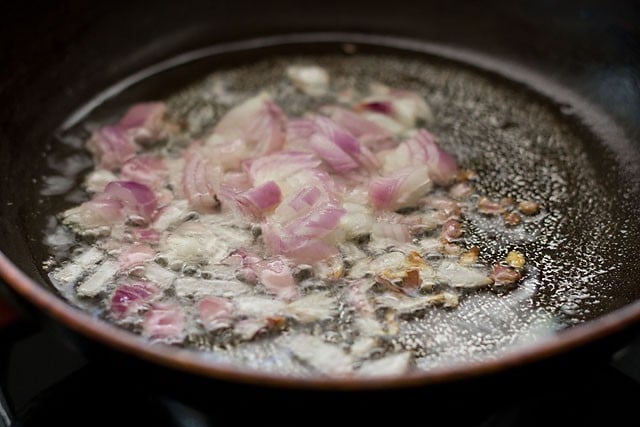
[
  {"x": 503, "y": 275},
  {"x": 357, "y": 296},
  {"x": 97, "y": 282},
  {"x": 144, "y": 122},
  {"x": 489, "y": 207},
  {"x": 216, "y": 313},
  {"x": 404, "y": 106},
  {"x": 334, "y": 145},
  {"x": 394, "y": 365},
  {"x": 257, "y": 201},
  {"x": 164, "y": 322},
  {"x": 192, "y": 287},
  {"x": 401, "y": 189},
  {"x": 310, "y": 79},
  {"x": 147, "y": 170},
  {"x": 111, "y": 147},
  {"x": 325, "y": 358},
  {"x": 114, "y": 145},
  {"x": 276, "y": 276},
  {"x": 135, "y": 256},
  {"x": 236, "y": 182},
  {"x": 132, "y": 297},
  {"x": 419, "y": 150},
  {"x": 135, "y": 198},
  {"x": 146, "y": 235},
  {"x": 279, "y": 166},
  {"x": 404, "y": 304},
  {"x": 94, "y": 214},
  {"x": 199, "y": 181},
  {"x": 357, "y": 220},
  {"x": 366, "y": 131},
  {"x": 258, "y": 121},
  {"x": 451, "y": 230},
  {"x": 315, "y": 306},
  {"x": 461, "y": 276},
  {"x": 446, "y": 209},
  {"x": 397, "y": 232},
  {"x": 97, "y": 180}
]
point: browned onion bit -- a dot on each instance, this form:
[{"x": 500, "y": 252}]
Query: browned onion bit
[
  {"x": 461, "y": 190},
  {"x": 451, "y": 249},
  {"x": 489, "y": 207},
  {"x": 506, "y": 202},
  {"x": 512, "y": 218},
  {"x": 466, "y": 175},
  {"x": 470, "y": 256},
  {"x": 451, "y": 230},
  {"x": 528, "y": 207},
  {"x": 515, "y": 259},
  {"x": 503, "y": 275},
  {"x": 414, "y": 258},
  {"x": 447, "y": 208},
  {"x": 407, "y": 284}
]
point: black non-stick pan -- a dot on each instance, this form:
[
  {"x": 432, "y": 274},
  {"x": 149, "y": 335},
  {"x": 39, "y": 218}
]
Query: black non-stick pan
[{"x": 579, "y": 61}]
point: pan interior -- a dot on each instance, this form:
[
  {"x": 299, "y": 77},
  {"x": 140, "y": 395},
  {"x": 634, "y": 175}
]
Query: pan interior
[{"x": 579, "y": 251}]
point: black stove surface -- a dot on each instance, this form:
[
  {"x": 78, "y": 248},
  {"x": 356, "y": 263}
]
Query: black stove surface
[{"x": 45, "y": 382}]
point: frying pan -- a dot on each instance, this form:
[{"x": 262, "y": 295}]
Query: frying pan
[{"x": 57, "y": 56}]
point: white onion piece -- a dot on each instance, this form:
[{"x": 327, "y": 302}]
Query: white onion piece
[
  {"x": 236, "y": 182},
  {"x": 195, "y": 243},
  {"x": 159, "y": 275},
  {"x": 198, "y": 288},
  {"x": 228, "y": 155},
  {"x": 456, "y": 275},
  {"x": 393, "y": 365},
  {"x": 98, "y": 281},
  {"x": 310, "y": 79},
  {"x": 325, "y": 358},
  {"x": 315, "y": 306},
  {"x": 259, "y": 306},
  {"x": 94, "y": 214},
  {"x": 248, "y": 328},
  {"x": 97, "y": 180},
  {"x": 171, "y": 216},
  {"x": 396, "y": 232},
  {"x": 73, "y": 270},
  {"x": 403, "y": 304},
  {"x": 357, "y": 221}
]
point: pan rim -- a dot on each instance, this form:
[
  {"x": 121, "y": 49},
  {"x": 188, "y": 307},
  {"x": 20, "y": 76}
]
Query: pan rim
[{"x": 196, "y": 362}]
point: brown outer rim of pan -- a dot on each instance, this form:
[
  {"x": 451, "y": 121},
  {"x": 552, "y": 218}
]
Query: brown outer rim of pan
[{"x": 193, "y": 362}]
